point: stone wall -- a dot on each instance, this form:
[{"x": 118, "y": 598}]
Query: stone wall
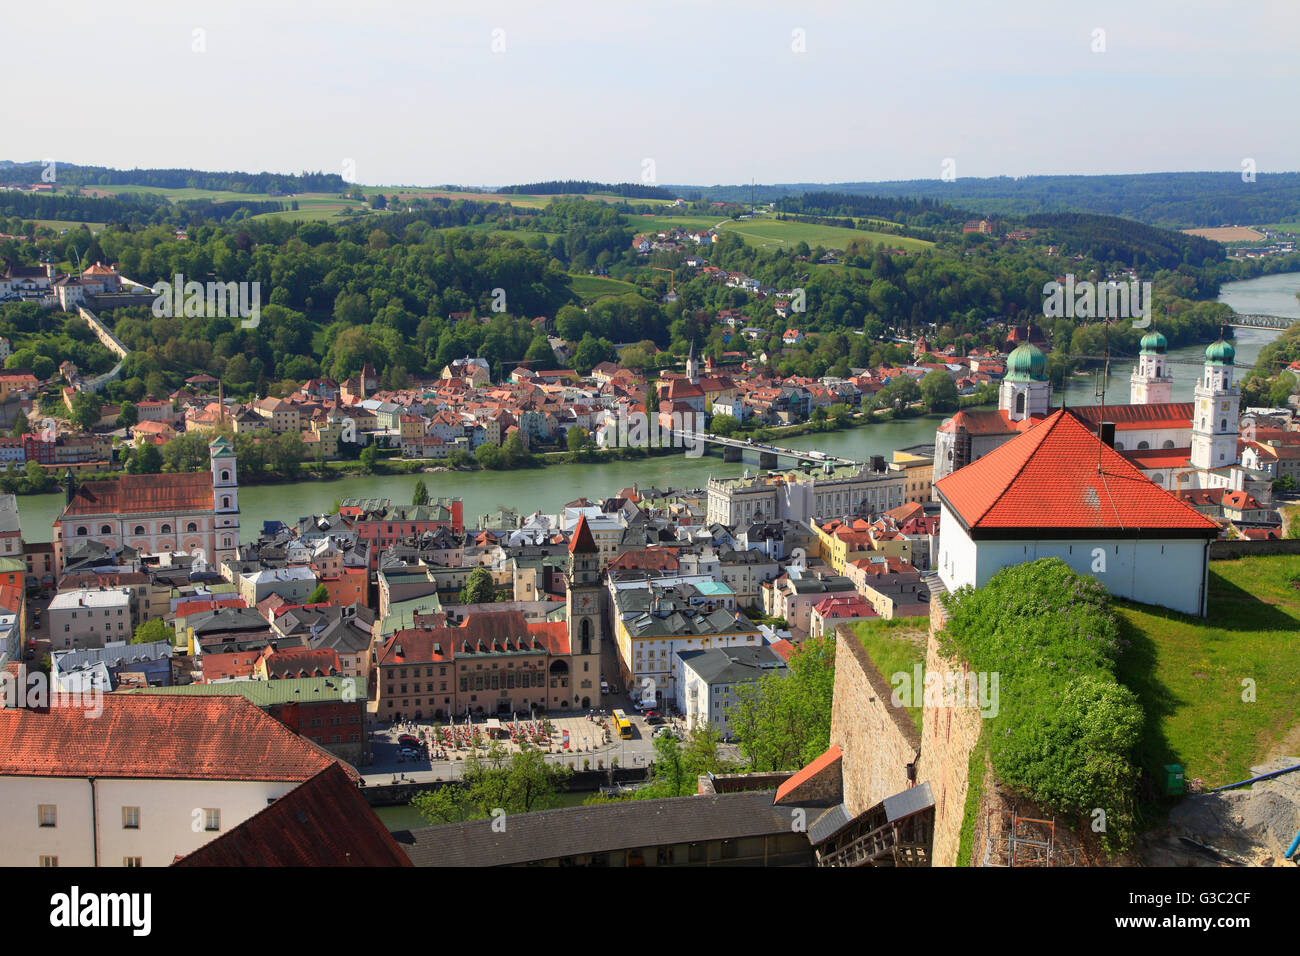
[
  {"x": 949, "y": 734},
  {"x": 1242, "y": 548},
  {"x": 880, "y": 742}
]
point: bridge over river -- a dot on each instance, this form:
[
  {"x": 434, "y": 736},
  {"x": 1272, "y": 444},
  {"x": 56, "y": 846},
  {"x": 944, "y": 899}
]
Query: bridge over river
[
  {"x": 1260, "y": 322},
  {"x": 767, "y": 456}
]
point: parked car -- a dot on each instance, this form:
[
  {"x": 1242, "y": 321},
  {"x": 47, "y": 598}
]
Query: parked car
[
  {"x": 664, "y": 732},
  {"x": 410, "y": 753},
  {"x": 652, "y": 718}
]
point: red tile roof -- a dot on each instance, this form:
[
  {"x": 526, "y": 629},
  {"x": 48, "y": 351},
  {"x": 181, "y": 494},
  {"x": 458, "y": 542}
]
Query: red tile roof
[
  {"x": 582, "y": 539},
  {"x": 323, "y": 822},
  {"x": 157, "y": 737},
  {"x": 1162, "y": 415},
  {"x": 1059, "y": 476},
  {"x": 807, "y": 773},
  {"x": 135, "y": 494}
]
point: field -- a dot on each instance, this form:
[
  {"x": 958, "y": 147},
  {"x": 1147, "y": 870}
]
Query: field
[
  {"x": 1220, "y": 693},
  {"x": 1227, "y": 234},
  {"x": 59, "y": 224},
  {"x": 591, "y": 288},
  {"x": 767, "y": 232}
]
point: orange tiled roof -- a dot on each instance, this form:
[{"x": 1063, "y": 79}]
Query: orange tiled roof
[
  {"x": 157, "y": 736},
  {"x": 1058, "y": 476},
  {"x": 139, "y": 494}
]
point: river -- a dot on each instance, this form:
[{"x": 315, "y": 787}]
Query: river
[{"x": 547, "y": 489}]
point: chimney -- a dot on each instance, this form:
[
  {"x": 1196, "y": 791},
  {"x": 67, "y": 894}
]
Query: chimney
[{"x": 1106, "y": 432}]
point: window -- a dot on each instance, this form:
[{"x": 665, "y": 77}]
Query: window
[
  {"x": 191, "y": 527},
  {"x": 106, "y": 529},
  {"x": 48, "y": 815},
  {"x": 166, "y": 529},
  {"x": 130, "y": 818},
  {"x": 81, "y": 529},
  {"x": 211, "y": 819},
  {"x": 131, "y": 861},
  {"x": 49, "y": 861},
  {"x": 139, "y": 529}
]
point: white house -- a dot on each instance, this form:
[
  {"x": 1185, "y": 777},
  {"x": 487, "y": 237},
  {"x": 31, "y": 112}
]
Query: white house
[
  {"x": 1059, "y": 491},
  {"x": 708, "y": 681},
  {"x": 150, "y": 778}
]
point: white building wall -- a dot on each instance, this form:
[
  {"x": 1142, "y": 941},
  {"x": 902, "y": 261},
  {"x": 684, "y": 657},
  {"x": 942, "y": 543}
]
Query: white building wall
[
  {"x": 1170, "y": 572},
  {"x": 167, "y": 818}
]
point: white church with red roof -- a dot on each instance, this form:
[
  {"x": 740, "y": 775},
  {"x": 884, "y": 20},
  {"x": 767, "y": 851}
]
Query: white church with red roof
[
  {"x": 1181, "y": 446},
  {"x": 1057, "y": 490}
]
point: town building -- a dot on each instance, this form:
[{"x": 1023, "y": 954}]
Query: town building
[
  {"x": 708, "y": 682},
  {"x": 194, "y": 512},
  {"x": 108, "y": 789},
  {"x": 1060, "y": 491}
]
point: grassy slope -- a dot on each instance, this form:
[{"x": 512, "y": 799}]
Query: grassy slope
[
  {"x": 1188, "y": 672},
  {"x": 896, "y": 646}
]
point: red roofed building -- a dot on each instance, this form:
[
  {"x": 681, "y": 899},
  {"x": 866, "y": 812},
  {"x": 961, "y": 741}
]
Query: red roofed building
[
  {"x": 150, "y": 778},
  {"x": 1059, "y": 491},
  {"x": 196, "y": 512}
]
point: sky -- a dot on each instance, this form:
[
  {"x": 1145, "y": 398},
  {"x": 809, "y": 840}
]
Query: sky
[{"x": 492, "y": 92}]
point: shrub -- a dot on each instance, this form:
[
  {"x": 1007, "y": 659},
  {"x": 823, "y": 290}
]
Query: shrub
[{"x": 1066, "y": 730}]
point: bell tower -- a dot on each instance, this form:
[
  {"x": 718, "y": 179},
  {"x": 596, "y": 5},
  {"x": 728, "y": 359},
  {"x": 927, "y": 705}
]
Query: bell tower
[
  {"x": 584, "y": 592},
  {"x": 1214, "y": 415},
  {"x": 584, "y": 601},
  {"x": 225, "y": 501}
]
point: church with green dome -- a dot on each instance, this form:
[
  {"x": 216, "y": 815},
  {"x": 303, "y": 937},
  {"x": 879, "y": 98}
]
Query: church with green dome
[{"x": 1180, "y": 446}]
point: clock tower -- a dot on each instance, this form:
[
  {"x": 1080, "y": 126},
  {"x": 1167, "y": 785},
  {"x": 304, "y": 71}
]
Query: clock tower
[{"x": 585, "y": 606}]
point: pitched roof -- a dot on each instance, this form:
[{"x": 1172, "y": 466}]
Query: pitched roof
[
  {"x": 829, "y": 758},
  {"x": 323, "y": 822},
  {"x": 136, "y": 494},
  {"x": 1060, "y": 478},
  {"x": 612, "y": 826},
  {"x": 582, "y": 541},
  {"x": 157, "y": 736}
]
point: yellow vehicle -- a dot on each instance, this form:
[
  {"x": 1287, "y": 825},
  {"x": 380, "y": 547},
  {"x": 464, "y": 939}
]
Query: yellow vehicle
[{"x": 622, "y": 726}]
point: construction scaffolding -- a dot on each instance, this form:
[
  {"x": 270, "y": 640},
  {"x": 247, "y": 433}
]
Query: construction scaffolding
[{"x": 1026, "y": 841}]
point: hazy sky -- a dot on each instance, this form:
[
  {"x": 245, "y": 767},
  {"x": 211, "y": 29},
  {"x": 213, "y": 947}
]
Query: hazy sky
[{"x": 415, "y": 93}]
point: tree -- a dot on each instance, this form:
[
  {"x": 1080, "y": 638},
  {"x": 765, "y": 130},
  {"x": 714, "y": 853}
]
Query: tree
[
  {"x": 782, "y": 722},
  {"x": 421, "y": 496},
  {"x": 368, "y": 459},
  {"x": 939, "y": 391},
  {"x": 146, "y": 459},
  {"x": 576, "y": 439},
  {"x": 723, "y": 425},
  {"x": 85, "y": 410},
  {"x": 128, "y": 416},
  {"x": 20, "y": 425},
  {"x": 153, "y": 630},
  {"x": 479, "y": 588},
  {"x": 514, "y": 783},
  {"x": 319, "y": 596}
]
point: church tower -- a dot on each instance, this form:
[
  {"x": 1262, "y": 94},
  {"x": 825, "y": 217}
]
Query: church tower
[
  {"x": 1151, "y": 383},
  {"x": 1025, "y": 391},
  {"x": 225, "y": 501},
  {"x": 1216, "y": 406},
  {"x": 692, "y": 367},
  {"x": 584, "y": 601}
]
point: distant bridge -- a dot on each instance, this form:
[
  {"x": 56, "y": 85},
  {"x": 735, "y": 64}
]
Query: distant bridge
[
  {"x": 734, "y": 449},
  {"x": 1251, "y": 321}
]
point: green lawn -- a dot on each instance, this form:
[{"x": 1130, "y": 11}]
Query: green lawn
[
  {"x": 768, "y": 232},
  {"x": 784, "y": 232},
  {"x": 1189, "y": 672},
  {"x": 896, "y": 646},
  {"x": 590, "y": 288}
]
